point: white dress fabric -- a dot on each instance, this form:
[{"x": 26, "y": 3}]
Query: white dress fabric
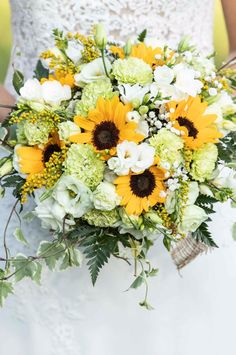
[{"x": 194, "y": 313}]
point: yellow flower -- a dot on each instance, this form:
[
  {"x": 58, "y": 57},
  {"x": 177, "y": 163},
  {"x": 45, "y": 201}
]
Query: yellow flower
[
  {"x": 32, "y": 159},
  {"x": 139, "y": 192},
  {"x": 188, "y": 116},
  {"x": 106, "y": 127},
  {"x": 151, "y": 56}
]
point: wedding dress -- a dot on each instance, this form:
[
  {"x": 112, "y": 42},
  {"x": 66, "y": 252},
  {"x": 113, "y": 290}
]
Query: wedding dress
[{"x": 194, "y": 314}]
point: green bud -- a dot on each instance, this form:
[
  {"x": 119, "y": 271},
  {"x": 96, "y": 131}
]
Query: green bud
[
  {"x": 152, "y": 106},
  {"x": 143, "y": 110},
  {"x": 146, "y": 98},
  {"x": 100, "y": 36},
  {"x": 128, "y": 48},
  {"x": 136, "y": 103},
  {"x": 6, "y": 167}
]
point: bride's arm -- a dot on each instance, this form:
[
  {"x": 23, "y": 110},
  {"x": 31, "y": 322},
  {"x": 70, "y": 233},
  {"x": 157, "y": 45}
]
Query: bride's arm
[
  {"x": 229, "y": 7},
  {"x": 5, "y": 99}
]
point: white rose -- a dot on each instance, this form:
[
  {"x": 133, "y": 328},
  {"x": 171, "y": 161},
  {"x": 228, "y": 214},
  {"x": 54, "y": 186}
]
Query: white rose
[
  {"x": 54, "y": 92},
  {"x": 92, "y": 71},
  {"x": 185, "y": 80},
  {"x": 52, "y": 215},
  {"x": 105, "y": 197},
  {"x": 74, "y": 51},
  {"x": 73, "y": 195},
  {"x": 67, "y": 129},
  {"x": 164, "y": 75},
  {"x": 133, "y": 93},
  {"x": 192, "y": 218},
  {"x": 32, "y": 91},
  {"x": 193, "y": 192}
]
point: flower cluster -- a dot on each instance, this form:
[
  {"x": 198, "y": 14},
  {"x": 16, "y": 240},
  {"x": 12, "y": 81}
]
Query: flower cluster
[{"x": 119, "y": 145}]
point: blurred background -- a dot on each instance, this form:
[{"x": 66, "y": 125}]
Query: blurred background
[{"x": 220, "y": 35}]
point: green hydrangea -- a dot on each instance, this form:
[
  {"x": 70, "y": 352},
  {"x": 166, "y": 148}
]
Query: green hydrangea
[
  {"x": 20, "y": 134},
  {"x": 203, "y": 162},
  {"x": 168, "y": 146},
  {"x": 37, "y": 133},
  {"x": 91, "y": 93},
  {"x": 102, "y": 218},
  {"x": 83, "y": 163},
  {"x": 132, "y": 71}
]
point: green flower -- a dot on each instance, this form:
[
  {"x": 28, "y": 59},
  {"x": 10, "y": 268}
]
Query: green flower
[
  {"x": 91, "y": 93},
  {"x": 83, "y": 163},
  {"x": 20, "y": 134},
  {"x": 132, "y": 71},
  {"x": 102, "y": 218},
  {"x": 203, "y": 162},
  {"x": 168, "y": 146},
  {"x": 37, "y": 133}
]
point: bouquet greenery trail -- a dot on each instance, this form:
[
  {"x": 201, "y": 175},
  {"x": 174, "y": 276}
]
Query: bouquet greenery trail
[{"x": 117, "y": 145}]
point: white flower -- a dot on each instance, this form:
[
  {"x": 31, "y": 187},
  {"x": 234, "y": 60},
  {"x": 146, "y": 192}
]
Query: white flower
[
  {"x": 92, "y": 71},
  {"x": 193, "y": 217},
  {"x": 32, "y": 91},
  {"x": 53, "y": 92},
  {"x": 193, "y": 193},
  {"x": 73, "y": 195},
  {"x": 212, "y": 92},
  {"x": 52, "y": 214},
  {"x": 133, "y": 93},
  {"x": 145, "y": 159},
  {"x": 74, "y": 51},
  {"x": 131, "y": 156},
  {"x": 67, "y": 129},
  {"x": 105, "y": 197},
  {"x": 127, "y": 156},
  {"x": 133, "y": 116},
  {"x": 226, "y": 178},
  {"x": 164, "y": 75},
  {"x": 185, "y": 80}
]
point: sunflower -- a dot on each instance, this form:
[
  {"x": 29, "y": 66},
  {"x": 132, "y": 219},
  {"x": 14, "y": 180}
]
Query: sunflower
[
  {"x": 32, "y": 160},
  {"x": 150, "y": 55},
  {"x": 139, "y": 192},
  {"x": 198, "y": 128},
  {"x": 106, "y": 127}
]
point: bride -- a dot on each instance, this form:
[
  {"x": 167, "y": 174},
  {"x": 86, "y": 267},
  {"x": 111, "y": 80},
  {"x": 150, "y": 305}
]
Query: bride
[{"x": 194, "y": 314}]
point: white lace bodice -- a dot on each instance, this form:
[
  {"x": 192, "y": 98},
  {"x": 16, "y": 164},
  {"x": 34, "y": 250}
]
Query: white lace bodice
[
  {"x": 33, "y": 21},
  {"x": 66, "y": 315}
]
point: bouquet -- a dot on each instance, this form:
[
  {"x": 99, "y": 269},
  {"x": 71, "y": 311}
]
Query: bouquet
[{"x": 118, "y": 145}]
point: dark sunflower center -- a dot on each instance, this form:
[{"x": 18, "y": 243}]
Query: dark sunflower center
[
  {"x": 143, "y": 185},
  {"x": 105, "y": 135},
  {"x": 52, "y": 148},
  {"x": 192, "y": 130}
]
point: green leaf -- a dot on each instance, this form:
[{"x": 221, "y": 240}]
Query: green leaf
[
  {"x": 38, "y": 273},
  {"x": 98, "y": 248},
  {"x": 24, "y": 267},
  {"x": 142, "y": 35},
  {"x": 75, "y": 256},
  {"x": 234, "y": 231},
  {"x": 3, "y": 133},
  {"x": 12, "y": 181},
  {"x": 18, "y": 234},
  {"x": 138, "y": 281},
  {"x": 203, "y": 235},
  {"x": 40, "y": 71},
  {"x": 6, "y": 289},
  {"x": 167, "y": 242},
  {"x": 51, "y": 252},
  {"x": 153, "y": 272},
  {"x": 206, "y": 202},
  {"x": 18, "y": 81}
]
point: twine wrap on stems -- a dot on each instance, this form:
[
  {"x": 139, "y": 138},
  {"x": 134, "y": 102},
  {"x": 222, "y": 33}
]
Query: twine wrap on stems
[{"x": 187, "y": 250}]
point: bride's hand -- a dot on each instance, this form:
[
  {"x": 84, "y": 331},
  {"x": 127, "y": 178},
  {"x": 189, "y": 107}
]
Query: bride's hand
[{"x": 5, "y": 99}]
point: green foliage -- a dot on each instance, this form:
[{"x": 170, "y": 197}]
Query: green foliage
[
  {"x": 206, "y": 202},
  {"x": 227, "y": 148},
  {"x": 142, "y": 35},
  {"x": 167, "y": 242},
  {"x": 234, "y": 231},
  {"x": 98, "y": 247},
  {"x": 18, "y": 81},
  {"x": 25, "y": 267},
  {"x": 51, "y": 252},
  {"x": 15, "y": 181},
  {"x": 203, "y": 235},
  {"x": 40, "y": 71},
  {"x": 6, "y": 288},
  {"x": 18, "y": 234}
]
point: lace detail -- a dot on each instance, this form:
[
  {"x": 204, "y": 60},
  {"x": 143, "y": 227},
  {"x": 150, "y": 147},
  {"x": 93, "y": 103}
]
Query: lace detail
[{"x": 33, "y": 21}]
